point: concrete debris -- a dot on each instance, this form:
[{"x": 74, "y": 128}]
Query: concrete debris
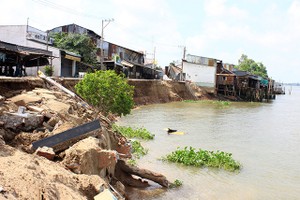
[
  {"x": 105, "y": 195},
  {"x": 53, "y": 121},
  {"x": 21, "y": 121},
  {"x": 24, "y": 99},
  {"x": 87, "y": 157},
  {"x": 35, "y": 109},
  {"x": 46, "y": 152}
]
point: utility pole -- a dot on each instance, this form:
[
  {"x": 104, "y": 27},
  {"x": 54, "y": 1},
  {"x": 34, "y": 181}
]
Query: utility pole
[
  {"x": 153, "y": 63},
  {"x": 102, "y": 38},
  {"x": 27, "y": 25},
  {"x": 183, "y": 58}
]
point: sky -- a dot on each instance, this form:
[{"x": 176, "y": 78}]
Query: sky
[{"x": 266, "y": 31}]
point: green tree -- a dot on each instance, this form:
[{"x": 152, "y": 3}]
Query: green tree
[
  {"x": 77, "y": 43},
  {"x": 256, "y": 68},
  {"x": 107, "y": 91}
]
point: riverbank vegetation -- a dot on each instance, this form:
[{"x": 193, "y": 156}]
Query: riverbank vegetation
[
  {"x": 137, "y": 133},
  {"x": 203, "y": 158},
  {"x": 107, "y": 91},
  {"x": 217, "y": 103},
  {"x": 129, "y": 132}
]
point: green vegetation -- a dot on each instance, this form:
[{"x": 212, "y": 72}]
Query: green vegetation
[
  {"x": 202, "y": 158},
  {"x": 218, "y": 103},
  {"x": 138, "y": 150},
  {"x": 77, "y": 43},
  {"x": 49, "y": 70},
  {"x": 175, "y": 184},
  {"x": 191, "y": 101},
  {"x": 139, "y": 133},
  {"x": 222, "y": 103},
  {"x": 249, "y": 65},
  {"x": 129, "y": 132},
  {"x": 108, "y": 91}
]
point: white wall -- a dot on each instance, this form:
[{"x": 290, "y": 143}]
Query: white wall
[
  {"x": 13, "y": 34},
  {"x": 16, "y": 34},
  {"x": 202, "y": 75}
]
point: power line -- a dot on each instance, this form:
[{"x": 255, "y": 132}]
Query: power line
[{"x": 65, "y": 9}]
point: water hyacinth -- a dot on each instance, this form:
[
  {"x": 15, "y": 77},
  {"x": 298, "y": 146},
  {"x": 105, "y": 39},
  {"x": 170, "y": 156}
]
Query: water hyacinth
[
  {"x": 140, "y": 133},
  {"x": 203, "y": 158}
]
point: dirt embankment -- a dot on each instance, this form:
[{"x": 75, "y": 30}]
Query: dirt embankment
[{"x": 158, "y": 91}]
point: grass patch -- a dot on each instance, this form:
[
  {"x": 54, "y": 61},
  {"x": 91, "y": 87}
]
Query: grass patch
[
  {"x": 218, "y": 103},
  {"x": 140, "y": 133},
  {"x": 203, "y": 158},
  {"x": 222, "y": 103},
  {"x": 191, "y": 101}
]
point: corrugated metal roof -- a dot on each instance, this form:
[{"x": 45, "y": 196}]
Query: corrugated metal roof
[
  {"x": 23, "y": 50},
  {"x": 241, "y": 73}
]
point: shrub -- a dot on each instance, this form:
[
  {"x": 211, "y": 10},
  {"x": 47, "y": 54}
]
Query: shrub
[
  {"x": 49, "y": 70},
  {"x": 107, "y": 91}
]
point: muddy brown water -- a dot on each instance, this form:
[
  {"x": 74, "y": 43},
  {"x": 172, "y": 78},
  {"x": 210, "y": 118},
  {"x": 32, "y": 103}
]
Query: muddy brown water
[{"x": 263, "y": 137}]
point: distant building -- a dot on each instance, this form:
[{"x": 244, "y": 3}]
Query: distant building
[
  {"x": 114, "y": 56},
  {"x": 64, "y": 62},
  {"x": 200, "y": 70}
]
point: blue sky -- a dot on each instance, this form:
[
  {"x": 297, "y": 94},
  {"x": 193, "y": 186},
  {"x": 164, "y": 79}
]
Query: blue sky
[{"x": 267, "y": 31}]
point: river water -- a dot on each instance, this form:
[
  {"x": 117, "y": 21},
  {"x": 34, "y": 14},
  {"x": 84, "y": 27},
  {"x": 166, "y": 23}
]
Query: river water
[{"x": 263, "y": 137}]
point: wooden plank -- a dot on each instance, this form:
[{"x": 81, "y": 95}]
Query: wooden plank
[{"x": 67, "y": 136}]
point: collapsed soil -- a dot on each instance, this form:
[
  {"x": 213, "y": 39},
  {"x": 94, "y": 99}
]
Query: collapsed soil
[{"x": 25, "y": 175}]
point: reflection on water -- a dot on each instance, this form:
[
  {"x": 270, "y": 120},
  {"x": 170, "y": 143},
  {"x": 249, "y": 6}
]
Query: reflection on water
[{"x": 263, "y": 137}]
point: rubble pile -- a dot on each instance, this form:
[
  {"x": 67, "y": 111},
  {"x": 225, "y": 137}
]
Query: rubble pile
[{"x": 55, "y": 146}]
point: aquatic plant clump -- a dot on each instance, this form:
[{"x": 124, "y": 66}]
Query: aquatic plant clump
[
  {"x": 201, "y": 158},
  {"x": 129, "y": 132},
  {"x": 138, "y": 150},
  {"x": 175, "y": 184}
]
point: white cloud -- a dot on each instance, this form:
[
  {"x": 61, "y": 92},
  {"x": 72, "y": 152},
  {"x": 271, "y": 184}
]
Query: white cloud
[{"x": 218, "y": 8}]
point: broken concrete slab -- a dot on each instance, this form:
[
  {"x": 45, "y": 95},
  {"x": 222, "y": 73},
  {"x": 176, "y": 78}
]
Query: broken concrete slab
[
  {"x": 26, "y": 98},
  {"x": 87, "y": 157},
  {"x": 56, "y": 106},
  {"x": 35, "y": 108},
  {"x": 46, "y": 152},
  {"x": 53, "y": 121},
  {"x": 24, "y": 122},
  {"x": 67, "y": 138},
  {"x": 105, "y": 195}
]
